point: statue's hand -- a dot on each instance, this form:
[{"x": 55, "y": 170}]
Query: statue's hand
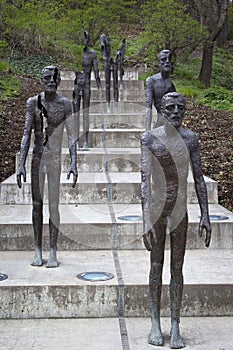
[
  {"x": 149, "y": 239},
  {"x": 21, "y": 172},
  {"x": 73, "y": 170},
  {"x": 205, "y": 225}
]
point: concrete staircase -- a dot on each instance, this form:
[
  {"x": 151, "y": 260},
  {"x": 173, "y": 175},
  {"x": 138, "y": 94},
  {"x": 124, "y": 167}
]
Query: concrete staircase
[{"x": 97, "y": 235}]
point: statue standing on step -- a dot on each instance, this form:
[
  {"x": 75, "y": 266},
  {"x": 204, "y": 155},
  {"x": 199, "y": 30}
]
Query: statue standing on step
[
  {"x": 158, "y": 85},
  {"x": 106, "y": 53},
  {"x": 111, "y": 68},
  {"x": 47, "y": 114},
  {"x": 166, "y": 152},
  {"x": 89, "y": 61},
  {"x": 122, "y": 59},
  {"x": 78, "y": 96}
]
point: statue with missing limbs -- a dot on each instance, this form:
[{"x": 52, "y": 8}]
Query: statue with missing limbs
[
  {"x": 158, "y": 85},
  {"x": 82, "y": 88},
  {"x": 166, "y": 153},
  {"x": 111, "y": 68},
  {"x": 47, "y": 114}
]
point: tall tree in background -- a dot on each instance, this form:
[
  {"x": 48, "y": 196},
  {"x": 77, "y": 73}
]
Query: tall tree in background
[
  {"x": 212, "y": 15},
  {"x": 168, "y": 25}
]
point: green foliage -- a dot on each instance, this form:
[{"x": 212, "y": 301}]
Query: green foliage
[
  {"x": 9, "y": 84},
  {"x": 54, "y": 27},
  {"x": 223, "y": 67},
  {"x": 169, "y": 26},
  {"x": 31, "y": 64},
  {"x": 218, "y": 96},
  {"x": 230, "y": 22}
]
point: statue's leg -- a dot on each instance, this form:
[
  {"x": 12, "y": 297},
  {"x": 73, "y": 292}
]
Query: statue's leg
[
  {"x": 54, "y": 221},
  {"x": 155, "y": 283},
  {"x": 115, "y": 83},
  {"x": 37, "y": 187},
  {"x": 86, "y": 106},
  {"x": 76, "y": 105},
  {"x": 178, "y": 243},
  {"x": 108, "y": 85}
]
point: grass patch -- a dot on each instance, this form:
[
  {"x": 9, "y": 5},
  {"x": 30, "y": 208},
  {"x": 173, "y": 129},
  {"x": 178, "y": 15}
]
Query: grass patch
[{"x": 9, "y": 83}]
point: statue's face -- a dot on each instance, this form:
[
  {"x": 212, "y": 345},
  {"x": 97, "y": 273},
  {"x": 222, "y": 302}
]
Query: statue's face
[
  {"x": 174, "y": 110},
  {"x": 164, "y": 62},
  {"x": 50, "y": 79},
  {"x": 86, "y": 38}
]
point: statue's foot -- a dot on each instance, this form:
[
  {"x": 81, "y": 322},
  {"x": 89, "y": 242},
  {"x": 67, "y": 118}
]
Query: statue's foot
[
  {"x": 156, "y": 337},
  {"x": 52, "y": 262},
  {"x": 37, "y": 261},
  {"x": 176, "y": 340}
]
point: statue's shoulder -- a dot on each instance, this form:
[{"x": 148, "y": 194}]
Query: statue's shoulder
[
  {"x": 90, "y": 52},
  {"x": 32, "y": 101},
  {"x": 152, "y": 80},
  {"x": 150, "y": 135},
  {"x": 189, "y": 136}
]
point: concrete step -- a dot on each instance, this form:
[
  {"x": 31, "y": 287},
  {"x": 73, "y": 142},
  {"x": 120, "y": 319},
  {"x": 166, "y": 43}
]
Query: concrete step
[
  {"x": 98, "y": 226},
  {"x": 97, "y": 159},
  {"x": 115, "y": 120},
  {"x": 113, "y": 138},
  {"x": 130, "y": 75},
  {"x": 32, "y": 292},
  {"x": 123, "y": 187},
  {"x": 68, "y": 84},
  {"x": 199, "y": 333},
  {"x": 97, "y": 106},
  {"x": 124, "y": 94}
]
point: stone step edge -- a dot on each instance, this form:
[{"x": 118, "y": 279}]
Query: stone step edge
[{"x": 40, "y": 292}]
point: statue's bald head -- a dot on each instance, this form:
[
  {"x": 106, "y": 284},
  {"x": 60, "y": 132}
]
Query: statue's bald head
[{"x": 50, "y": 73}]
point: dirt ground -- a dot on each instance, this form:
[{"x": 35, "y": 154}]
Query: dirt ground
[{"x": 214, "y": 129}]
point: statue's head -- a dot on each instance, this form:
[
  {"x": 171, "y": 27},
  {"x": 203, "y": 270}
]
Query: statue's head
[
  {"x": 86, "y": 38},
  {"x": 105, "y": 46},
  {"x": 50, "y": 78},
  {"x": 164, "y": 58},
  {"x": 173, "y": 107}
]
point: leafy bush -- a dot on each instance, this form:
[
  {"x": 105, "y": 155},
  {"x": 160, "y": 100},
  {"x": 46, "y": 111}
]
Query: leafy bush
[
  {"x": 218, "y": 98},
  {"x": 9, "y": 84}
]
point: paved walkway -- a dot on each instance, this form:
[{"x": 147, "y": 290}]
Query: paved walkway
[{"x": 104, "y": 334}]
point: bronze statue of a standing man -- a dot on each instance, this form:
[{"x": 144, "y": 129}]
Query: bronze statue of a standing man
[
  {"x": 166, "y": 152},
  {"x": 47, "y": 114},
  {"x": 89, "y": 61},
  {"x": 158, "y": 85}
]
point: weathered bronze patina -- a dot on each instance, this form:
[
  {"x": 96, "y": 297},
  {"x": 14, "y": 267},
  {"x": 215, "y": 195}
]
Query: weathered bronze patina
[
  {"x": 158, "y": 85},
  {"x": 47, "y": 114},
  {"x": 166, "y": 153},
  {"x": 82, "y": 88}
]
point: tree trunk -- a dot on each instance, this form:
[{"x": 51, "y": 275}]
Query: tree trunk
[
  {"x": 206, "y": 67},
  {"x": 222, "y": 36}
]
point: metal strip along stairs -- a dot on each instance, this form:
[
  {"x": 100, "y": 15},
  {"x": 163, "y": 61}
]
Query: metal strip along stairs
[{"x": 95, "y": 237}]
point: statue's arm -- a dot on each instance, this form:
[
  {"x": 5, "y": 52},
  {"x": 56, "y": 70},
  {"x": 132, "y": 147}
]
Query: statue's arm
[
  {"x": 96, "y": 71},
  {"x": 201, "y": 189},
  {"x": 25, "y": 143},
  {"x": 149, "y": 101},
  {"x": 145, "y": 182},
  {"x": 72, "y": 138}
]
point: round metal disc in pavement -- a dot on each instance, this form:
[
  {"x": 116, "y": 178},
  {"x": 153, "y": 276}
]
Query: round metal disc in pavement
[
  {"x": 95, "y": 276},
  {"x": 130, "y": 217},
  {"x": 3, "y": 277},
  {"x": 218, "y": 217}
]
